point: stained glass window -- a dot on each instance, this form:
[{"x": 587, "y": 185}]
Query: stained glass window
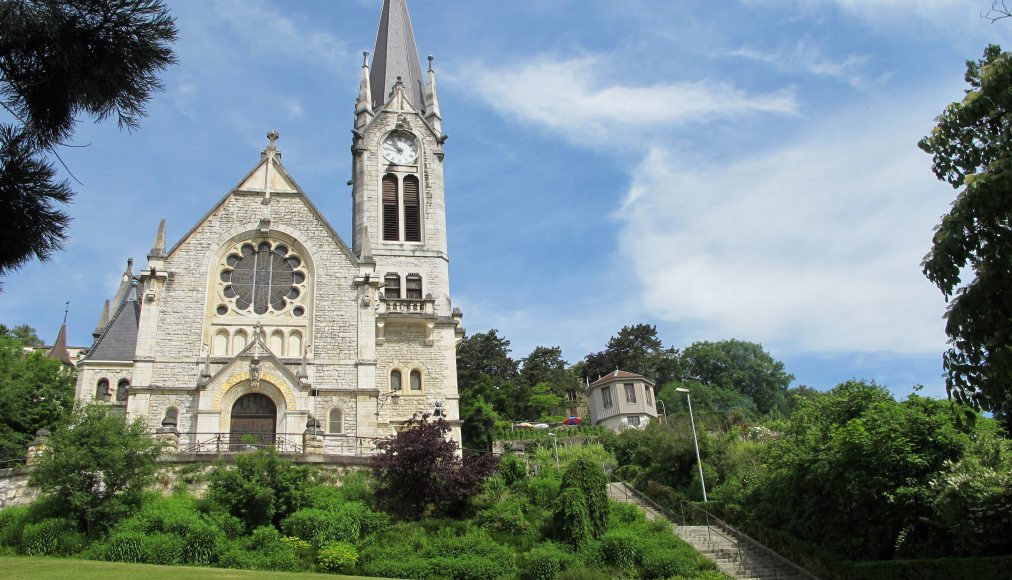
[{"x": 262, "y": 277}]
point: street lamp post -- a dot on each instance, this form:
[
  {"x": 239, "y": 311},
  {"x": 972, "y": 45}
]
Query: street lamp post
[
  {"x": 664, "y": 408},
  {"x": 699, "y": 461},
  {"x": 555, "y": 446}
]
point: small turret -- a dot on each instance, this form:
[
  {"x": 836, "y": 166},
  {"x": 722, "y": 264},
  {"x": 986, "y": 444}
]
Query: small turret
[
  {"x": 103, "y": 320},
  {"x": 433, "y": 117},
  {"x": 363, "y": 106}
]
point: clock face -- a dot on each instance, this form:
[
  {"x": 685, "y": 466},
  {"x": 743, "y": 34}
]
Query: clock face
[{"x": 400, "y": 149}]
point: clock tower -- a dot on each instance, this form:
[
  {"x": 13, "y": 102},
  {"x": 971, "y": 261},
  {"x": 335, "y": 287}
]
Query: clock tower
[{"x": 397, "y": 147}]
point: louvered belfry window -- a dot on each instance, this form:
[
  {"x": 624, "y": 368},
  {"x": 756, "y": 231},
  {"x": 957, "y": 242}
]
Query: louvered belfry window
[
  {"x": 412, "y": 210},
  {"x": 391, "y": 211}
]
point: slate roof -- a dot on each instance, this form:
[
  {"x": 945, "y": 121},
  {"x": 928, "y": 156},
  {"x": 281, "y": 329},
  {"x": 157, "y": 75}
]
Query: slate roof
[
  {"x": 118, "y": 342},
  {"x": 396, "y": 55},
  {"x": 59, "y": 349}
]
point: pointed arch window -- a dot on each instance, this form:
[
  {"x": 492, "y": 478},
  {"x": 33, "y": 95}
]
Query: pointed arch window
[
  {"x": 412, "y": 210},
  {"x": 391, "y": 209}
]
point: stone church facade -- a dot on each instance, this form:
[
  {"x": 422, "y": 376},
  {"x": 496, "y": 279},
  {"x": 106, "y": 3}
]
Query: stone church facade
[{"x": 261, "y": 325}]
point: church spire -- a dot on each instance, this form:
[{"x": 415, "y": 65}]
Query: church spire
[
  {"x": 434, "y": 117},
  {"x": 396, "y": 56},
  {"x": 158, "y": 249},
  {"x": 59, "y": 350}
]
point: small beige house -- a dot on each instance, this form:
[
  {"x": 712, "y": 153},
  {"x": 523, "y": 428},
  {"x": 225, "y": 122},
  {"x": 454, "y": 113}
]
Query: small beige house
[{"x": 620, "y": 400}]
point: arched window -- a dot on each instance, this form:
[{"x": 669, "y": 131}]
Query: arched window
[
  {"x": 392, "y": 287},
  {"x": 171, "y": 417},
  {"x": 391, "y": 209},
  {"x": 416, "y": 381},
  {"x": 412, "y": 210},
  {"x": 414, "y": 287},
  {"x": 219, "y": 345},
  {"x": 335, "y": 421},
  {"x": 102, "y": 390},
  {"x": 395, "y": 380},
  {"x": 122, "y": 390}
]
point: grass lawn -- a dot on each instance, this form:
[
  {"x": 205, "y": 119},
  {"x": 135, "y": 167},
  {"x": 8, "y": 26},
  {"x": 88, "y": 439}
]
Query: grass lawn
[{"x": 66, "y": 568}]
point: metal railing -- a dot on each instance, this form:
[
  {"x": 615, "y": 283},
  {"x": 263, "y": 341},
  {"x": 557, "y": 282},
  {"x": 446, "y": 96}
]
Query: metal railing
[
  {"x": 715, "y": 525},
  {"x": 283, "y": 443}
]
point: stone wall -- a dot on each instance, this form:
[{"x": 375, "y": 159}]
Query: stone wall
[
  {"x": 187, "y": 472},
  {"x": 14, "y": 488}
]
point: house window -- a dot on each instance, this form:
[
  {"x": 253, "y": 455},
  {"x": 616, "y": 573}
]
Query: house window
[
  {"x": 416, "y": 381},
  {"x": 650, "y": 396},
  {"x": 414, "y": 287},
  {"x": 633, "y": 421},
  {"x": 334, "y": 422},
  {"x": 395, "y": 380},
  {"x": 630, "y": 393},
  {"x": 606, "y": 397},
  {"x": 392, "y": 288},
  {"x": 412, "y": 210},
  {"x": 391, "y": 210},
  {"x": 102, "y": 390},
  {"x": 122, "y": 390},
  {"x": 171, "y": 418}
]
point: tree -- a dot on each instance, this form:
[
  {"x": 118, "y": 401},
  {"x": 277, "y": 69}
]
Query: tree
[
  {"x": 636, "y": 349},
  {"x": 484, "y": 354},
  {"x": 418, "y": 468},
  {"x": 36, "y": 392},
  {"x": 478, "y": 424},
  {"x": 261, "y": 488},
  {"x": 97, "y": 466},
  {"x": 971, "y": 149},
  {"x": 60, "y": 59},
  {"x": 26, "y": 334},
  {"x": 740, "y": 366},
  {"x": 583, "y": 479}
]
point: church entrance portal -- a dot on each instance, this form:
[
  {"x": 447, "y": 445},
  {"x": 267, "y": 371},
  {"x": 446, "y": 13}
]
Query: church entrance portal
[{"x": 254, "y": 422}]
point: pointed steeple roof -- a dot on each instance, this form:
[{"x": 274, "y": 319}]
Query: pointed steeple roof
[
  {"x": 59, "y": 350},
  {"x": 396, "y": 56}
]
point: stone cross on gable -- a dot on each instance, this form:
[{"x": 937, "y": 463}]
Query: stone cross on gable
[{"x": 271, "y": 153}]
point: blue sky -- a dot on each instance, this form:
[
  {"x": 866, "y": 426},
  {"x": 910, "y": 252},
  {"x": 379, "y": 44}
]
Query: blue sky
[{"x": 737, "y": 169}]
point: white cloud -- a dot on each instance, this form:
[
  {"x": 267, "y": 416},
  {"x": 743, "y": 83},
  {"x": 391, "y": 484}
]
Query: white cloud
[
  {"x": 889, "y": 13},
  {"x": 813, "y": 247},
  {"x": 573, "y": 95},
  {"x": 808, "y": 58}
]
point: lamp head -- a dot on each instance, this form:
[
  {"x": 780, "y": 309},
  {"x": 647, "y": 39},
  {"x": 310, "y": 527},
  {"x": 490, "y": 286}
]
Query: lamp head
[{"x": 681, "y": 390}]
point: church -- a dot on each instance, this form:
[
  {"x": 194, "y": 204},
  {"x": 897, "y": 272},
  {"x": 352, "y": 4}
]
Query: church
[{"x": 262, "y": 327}]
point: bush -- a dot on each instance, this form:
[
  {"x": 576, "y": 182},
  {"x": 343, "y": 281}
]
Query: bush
[
  {"x": 338, "y": 557},
  {"x": 260, "y": 489},
  {"x": 592, "y": 484},
  {"x": 545, "y": 562},
  {"x": 468, "y": 567},
  {"x": 321, "y": 527},
  {"x": 505, "y": 516},
  {"x": 667, "y": 563},
  {"x": 541, "y": 491},
  {"x": 51, "y": 537},
  {"x": 12, "y": 523},
  {"x": 571, "y": 518},
  {"x": 165, "y": 549},
  {"x": 619, "y": 549},
  {"x": 124, "y": 546},
  {"x": 513, "y": 469},
  {"x": 583, "y": 574},
  {"x": 178, "y": 517}
]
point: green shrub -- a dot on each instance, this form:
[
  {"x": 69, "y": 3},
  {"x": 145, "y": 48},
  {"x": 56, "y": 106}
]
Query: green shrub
[
  {"x": 356, "y": 486},
  {"x": 51, "y": 537},
  {"x": 585, "y": 476},
  {"x": 12, "y": 523},
  {"x": 545, "y": 562},
  {"x": 505, "y": 516},
  {"x": 231, "y": 526},
  {"x": 260, "y": 489},
  {"x": 583, "y": 573},
  {"x": 321, "y": 527},
  {"x": 619, "y": 549},
  {"x": 571, "y": 518},
  {"x": 124, "y": 546},
  {"x": 165, "y": 549},
  {"x": 666, "y": 563},
  {"x": 397, "y": 565},
  {"x": 337, "y": 557},
  {"x": 624, "y": 514},
  {"x": 513, "y": 468},
  {"x": 177, "y": 516},
  {"x": 468, "y": 567},
  {"x": 541, "y": 491}
]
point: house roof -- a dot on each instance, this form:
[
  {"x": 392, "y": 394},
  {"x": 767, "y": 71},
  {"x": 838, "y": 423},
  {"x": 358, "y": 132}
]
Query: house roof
[
  {"x": 118, "y": 342},
  {"x": 59, "y": 349},
  {"x": 619, "y": 375}
]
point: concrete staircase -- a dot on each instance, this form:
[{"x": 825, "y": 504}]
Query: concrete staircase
[{"x": 734, "y": 554}]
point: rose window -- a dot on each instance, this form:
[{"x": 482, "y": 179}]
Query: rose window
[{"x": 262, "y": 278}]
